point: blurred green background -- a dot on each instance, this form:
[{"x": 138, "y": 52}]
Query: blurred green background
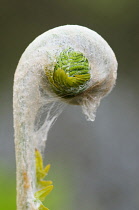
[{"x": 95, "y": 166}]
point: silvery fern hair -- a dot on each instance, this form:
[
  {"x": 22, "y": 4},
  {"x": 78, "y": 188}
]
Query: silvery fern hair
[{"x": 66, "y": 65}]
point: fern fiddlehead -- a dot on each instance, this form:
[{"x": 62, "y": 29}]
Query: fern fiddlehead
[
  {"x": 71, "y": 64},
  {"x": 70, "y": 73}
]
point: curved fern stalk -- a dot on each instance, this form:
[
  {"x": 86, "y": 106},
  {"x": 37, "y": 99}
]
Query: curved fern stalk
[{"x": 68, "y": 64}]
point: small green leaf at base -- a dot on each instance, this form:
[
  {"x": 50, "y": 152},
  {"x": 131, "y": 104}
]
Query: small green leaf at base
[
  {"x": 44, "y": 186},
  {"x": 41, "y": 194},
  {"x": 42, "y": 207}
]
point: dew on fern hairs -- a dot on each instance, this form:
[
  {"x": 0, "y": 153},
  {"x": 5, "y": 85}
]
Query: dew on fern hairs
[{"x": 66, "y": 65}]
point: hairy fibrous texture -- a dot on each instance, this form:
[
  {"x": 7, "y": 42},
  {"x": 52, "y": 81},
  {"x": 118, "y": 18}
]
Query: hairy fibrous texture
[{"x": 66, "y": 65}]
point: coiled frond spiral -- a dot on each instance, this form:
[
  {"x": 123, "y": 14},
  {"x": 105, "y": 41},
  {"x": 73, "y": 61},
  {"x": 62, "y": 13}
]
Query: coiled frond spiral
[{"x": 70, "y": 74}]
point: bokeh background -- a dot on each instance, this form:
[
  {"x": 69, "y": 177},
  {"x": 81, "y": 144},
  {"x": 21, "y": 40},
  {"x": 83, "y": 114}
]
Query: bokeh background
[{"x": 95, "y": 166}]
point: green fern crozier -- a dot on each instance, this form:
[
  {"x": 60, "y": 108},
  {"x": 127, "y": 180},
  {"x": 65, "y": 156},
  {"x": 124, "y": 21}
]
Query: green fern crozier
[{"x": 70, "y": 75}]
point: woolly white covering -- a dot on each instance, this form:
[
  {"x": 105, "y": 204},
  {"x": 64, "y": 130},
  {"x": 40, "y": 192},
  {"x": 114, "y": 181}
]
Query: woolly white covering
[{"x": 36, "y": 107}]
